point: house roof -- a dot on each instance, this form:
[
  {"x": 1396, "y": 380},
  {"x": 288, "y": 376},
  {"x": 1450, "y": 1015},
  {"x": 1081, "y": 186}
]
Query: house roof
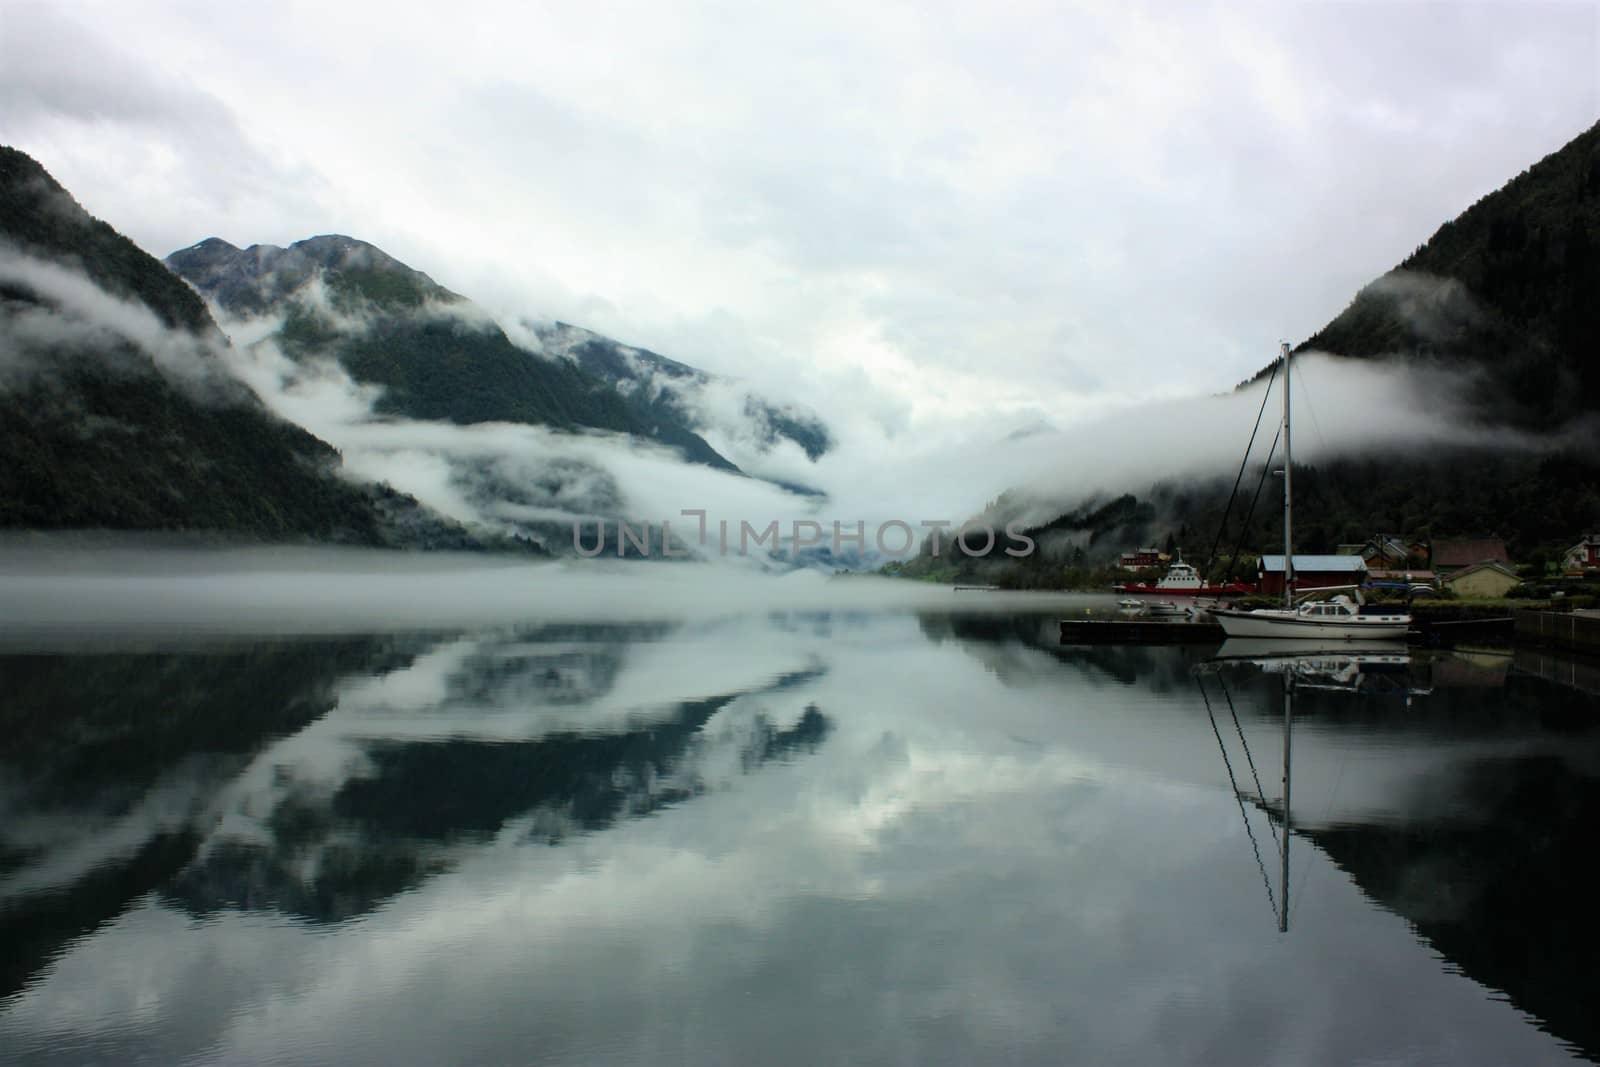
[
  {"x": 1489, "y": 565},
  {"x": 1466, "y": 553},
  {"x": 1389, "y": 547},
  {"x": 1350, "y": 564}
]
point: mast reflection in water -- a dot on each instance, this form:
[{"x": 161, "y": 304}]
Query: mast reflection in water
[{"x": 1381, "y": 669}]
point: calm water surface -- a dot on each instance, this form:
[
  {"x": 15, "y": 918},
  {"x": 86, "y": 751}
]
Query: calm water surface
[{"x": 790, "y": 838}]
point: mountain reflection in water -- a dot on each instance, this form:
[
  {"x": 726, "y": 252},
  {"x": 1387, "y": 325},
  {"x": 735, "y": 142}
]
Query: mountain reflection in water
[{"x": 948, "y": 836}]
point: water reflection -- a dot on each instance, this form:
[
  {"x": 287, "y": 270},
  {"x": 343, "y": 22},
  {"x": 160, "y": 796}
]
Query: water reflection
[
  {"x": 113, "y": 760},
  {"x": 1486, "y": 869},
  {"x": 1474, "y": 827},
  {"x": 352, "y": 811},
  {"x": 949, "y": 837}
]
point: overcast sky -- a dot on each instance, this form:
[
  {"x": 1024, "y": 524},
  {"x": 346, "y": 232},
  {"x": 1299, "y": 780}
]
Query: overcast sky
[{"x": 914, "y": 214}]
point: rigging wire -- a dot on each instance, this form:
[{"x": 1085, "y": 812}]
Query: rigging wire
[
  {"x": 1305, "y": 398},
  {"x": 1238, "y": 545},
  {"x": 1243, "y": 814},
  {"x": 1222, "y": 527},
  {"x": 1305, "y": 878},
  {"x": 1246, "y": 745}
]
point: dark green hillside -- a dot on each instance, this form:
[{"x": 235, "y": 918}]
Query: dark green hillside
[
  {"x": 653, "y": 385},
  {"x": 253, "y": 280},
  {"x": 40, "y": 218},
  {"x": 1537, "y": 503},
  {"x": 1510, "y": 289},
  {"x": 106, "y": 441},
  {"x": 807, "y": 431},
  {"x": 435, "y": 354},
  {"x": 1503, "y": 302},
  {"x": 446, "y": 368},
  {"x": 94, "y": 435}
]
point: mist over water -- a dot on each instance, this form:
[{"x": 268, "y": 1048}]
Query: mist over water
[{"x": 323, "y": 590}]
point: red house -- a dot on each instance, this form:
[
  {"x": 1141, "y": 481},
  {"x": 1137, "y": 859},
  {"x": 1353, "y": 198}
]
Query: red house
[
  {"x": 1312, "y": 572},
  {"x": 1140, "y": 558},
  {"x": 1585, "y": 554}
]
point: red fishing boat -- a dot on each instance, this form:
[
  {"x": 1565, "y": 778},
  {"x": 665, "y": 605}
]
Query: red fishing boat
[{"x": 1182, "y": 579}]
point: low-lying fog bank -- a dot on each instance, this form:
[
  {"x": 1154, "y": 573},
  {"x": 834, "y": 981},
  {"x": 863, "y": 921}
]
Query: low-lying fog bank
[{"x": 168, "y": 589}]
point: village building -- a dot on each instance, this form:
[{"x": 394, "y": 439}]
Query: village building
[
  {"x": 1488, "y": 580},
  {"x": 1454, "y": 555},
  {"x": 1389, "y": 551},
  {"x": 1312, "y": 572},
  {"x": 1142, "y": 558},
  {"x": 1585, "y": 555}
]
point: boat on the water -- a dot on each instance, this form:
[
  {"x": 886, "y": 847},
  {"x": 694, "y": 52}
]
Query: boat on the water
[
  {"x": 1343, "y": 616},
  {"x": 1340, "y": 617},
  {"x": 1183, "y": 580}
]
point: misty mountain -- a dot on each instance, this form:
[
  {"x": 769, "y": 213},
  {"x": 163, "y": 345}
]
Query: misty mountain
[
  {"x": 1501, "y": 309},
  {"x": 439, "y": 357},
  {"x": 665, "y": 389},
  {"x": 119, "y": 412},
  {"x": 526, "y": 430},
  {"x": 1509, "y": 290}
]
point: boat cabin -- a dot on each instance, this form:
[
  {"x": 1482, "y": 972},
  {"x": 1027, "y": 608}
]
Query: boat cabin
[
  {"x": 1323, "y": 609},
  {"x": 1180, "y": 575}
]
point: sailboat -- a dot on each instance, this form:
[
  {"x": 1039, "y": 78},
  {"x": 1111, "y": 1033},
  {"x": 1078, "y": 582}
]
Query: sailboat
[{"x": 1345, "y": 616}]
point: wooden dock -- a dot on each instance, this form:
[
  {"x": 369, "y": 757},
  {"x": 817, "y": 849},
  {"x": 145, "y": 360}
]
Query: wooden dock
[{"x": 1138, "y": 632}]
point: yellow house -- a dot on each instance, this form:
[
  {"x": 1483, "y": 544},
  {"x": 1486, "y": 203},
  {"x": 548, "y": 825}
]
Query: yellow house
[{"x": 1483, "y": 580}]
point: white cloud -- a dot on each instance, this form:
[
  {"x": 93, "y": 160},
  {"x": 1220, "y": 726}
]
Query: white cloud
[
  {"x": 74, "y": 312},
  {"x": 940, "y": 212}
]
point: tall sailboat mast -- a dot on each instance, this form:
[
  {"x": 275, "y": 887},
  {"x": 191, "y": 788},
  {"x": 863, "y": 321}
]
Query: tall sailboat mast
[
  {"x": 1288, "y": 490},
  {"x": 1288, "y": 602},
  {"x": 1342, "y": 616}
]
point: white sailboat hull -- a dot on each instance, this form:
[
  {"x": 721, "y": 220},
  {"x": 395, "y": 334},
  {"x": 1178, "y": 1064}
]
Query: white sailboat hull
[{"x": 1295, "y": 626}]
